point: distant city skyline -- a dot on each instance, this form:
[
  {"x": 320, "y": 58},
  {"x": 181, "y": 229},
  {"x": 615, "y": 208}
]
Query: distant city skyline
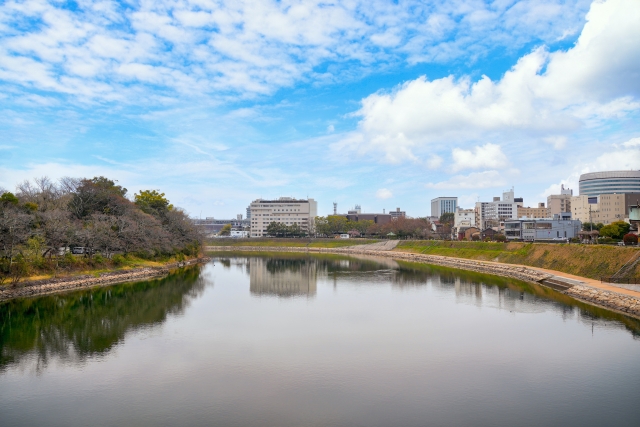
[{"x": 367, "y": 102}]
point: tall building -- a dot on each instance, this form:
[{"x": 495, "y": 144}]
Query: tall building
[
  {"x": 284, "y": 210},
  {"x": 596, "y": 183},
  {"x": 441, "y": 205},
  {"x": 491, "y": 214},
  {"x": 560, "y": 203},
  {"x": 248, "y": 212}
]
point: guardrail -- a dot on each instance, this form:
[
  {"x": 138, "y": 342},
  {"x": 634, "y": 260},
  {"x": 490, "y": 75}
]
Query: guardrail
[{"x": 622, "y": 280}]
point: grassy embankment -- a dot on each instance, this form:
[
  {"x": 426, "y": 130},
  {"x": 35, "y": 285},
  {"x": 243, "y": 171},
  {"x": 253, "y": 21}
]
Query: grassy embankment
[
  {"x": 593, "y": 261},
  {"x": 72, "y": 265},
  {"x": 312, "y": 243}
]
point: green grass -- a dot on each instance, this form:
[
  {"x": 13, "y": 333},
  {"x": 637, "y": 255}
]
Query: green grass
[
  {"x": 312, "y": 243},
  {"x": 592, "y": 261}
]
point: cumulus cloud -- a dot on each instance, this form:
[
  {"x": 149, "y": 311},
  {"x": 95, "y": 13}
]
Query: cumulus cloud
[
  {"x": 488, "y": 156},
  {"x": 98, "y": 49},
  {"x": 383, "y": 194},
  {"x": 550, "y": 94}
]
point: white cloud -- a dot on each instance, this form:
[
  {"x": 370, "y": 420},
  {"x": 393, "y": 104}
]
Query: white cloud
[
  {"x": 249, "y": 47},
  {"x": 548, "y": 94},
  {"x": 383, "y": 194},
  {"x": 434, "y": 161},
  {"x": 488, "y": 156}
]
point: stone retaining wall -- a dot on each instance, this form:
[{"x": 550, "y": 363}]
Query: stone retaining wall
[
  {"x": 48, "y": 286},
  {"x": 625, "y": 303}
]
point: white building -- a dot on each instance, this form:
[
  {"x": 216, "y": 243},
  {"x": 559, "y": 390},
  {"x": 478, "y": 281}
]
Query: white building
[
  {"x": 491, "y": 214},
  {"x": 441, "y": 205},
  {"x": 238, "y": 234},
  {"x": 464, "y": 218},
  {"x": 284, "y": 210},
  {"x": 558, "y": 228}
]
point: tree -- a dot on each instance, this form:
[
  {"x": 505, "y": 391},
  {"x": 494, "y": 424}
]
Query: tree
[
  {"x": 153, "y": 202},
  {"x": 587, "y": 226},
  {"x": 8, "y": 199},
  {"x": 226, "y": 230},
  {"x": 615, "y": 230},
  {"x": 630, "y": 239}
]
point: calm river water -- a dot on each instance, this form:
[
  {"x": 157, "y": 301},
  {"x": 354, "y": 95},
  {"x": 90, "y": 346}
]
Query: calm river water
[{"x": 294, "y": 340}]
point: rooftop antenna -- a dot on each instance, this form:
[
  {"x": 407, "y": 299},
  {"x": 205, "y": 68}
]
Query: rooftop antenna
[{"x": 335, "y": 208}]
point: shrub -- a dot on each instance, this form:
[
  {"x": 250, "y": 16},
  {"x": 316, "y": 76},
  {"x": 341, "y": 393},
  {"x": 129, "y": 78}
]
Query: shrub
[
  {"x": 500, "y": 238},
  {"x": 118, "y": 260},
  {"x": 630, "y": 239},
  {"x": 98, "y": 259}
]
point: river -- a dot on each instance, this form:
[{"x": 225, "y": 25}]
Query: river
[{"x": 317, "y": 340}]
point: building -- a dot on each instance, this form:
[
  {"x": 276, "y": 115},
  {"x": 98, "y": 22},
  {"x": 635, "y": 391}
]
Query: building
[
  {"x": 540, "y": 212},
  {"x": 284, "y": 210},
  {"x": 596, "y": 183},
  {"x": 397, "y": 213},
  {"x": 615, "y": 207},
  {"x": 560, "y": 203},
  {"x": 558, "y": 228},
  {"x": 238, "y": 234},
  {"x": 492, "y": 214},
  {"x": 355, "y": 211},
  {"x": 375, "y": 217},
  {"x": 585, "y": 208},
  {"x": 441, "y": 205},
  {"x": 211, "y": 226},
  {"x": 464, "y": 218},
  {"x": 249, "y": 212}
]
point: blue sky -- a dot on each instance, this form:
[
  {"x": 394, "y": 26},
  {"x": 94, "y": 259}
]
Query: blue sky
[{"x": 378, "y": 103}]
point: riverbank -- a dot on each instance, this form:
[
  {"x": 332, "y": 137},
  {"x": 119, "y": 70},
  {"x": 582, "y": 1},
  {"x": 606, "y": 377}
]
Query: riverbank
[
  {"x": 49, "y": 286},
  {"x": 584, "y": 289}
]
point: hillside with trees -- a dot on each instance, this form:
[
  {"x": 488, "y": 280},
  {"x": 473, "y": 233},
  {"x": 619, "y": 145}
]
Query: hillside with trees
[{"x": 45, "y": 222}]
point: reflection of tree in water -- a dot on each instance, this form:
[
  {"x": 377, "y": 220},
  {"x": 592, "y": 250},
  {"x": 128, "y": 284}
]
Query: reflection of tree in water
[{"x": 88, "y": 323}]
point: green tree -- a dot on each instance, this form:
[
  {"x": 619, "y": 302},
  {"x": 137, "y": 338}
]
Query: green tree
[
  {"x": 615, "y": 230},
  {"x": 8, "y": 199},
  {"x": 152, "y": 202},
  {"x": 447, "y": 218},
  {"x": 226, "y": 230}
]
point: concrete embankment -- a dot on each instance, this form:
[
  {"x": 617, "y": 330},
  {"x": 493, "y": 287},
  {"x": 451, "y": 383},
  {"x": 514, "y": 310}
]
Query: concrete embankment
[
  {"x": 623, "y": 301},
  {"x": 48, "y": 286}
]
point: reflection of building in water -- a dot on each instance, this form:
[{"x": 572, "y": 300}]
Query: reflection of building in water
[{"x": 282, "y": 277}]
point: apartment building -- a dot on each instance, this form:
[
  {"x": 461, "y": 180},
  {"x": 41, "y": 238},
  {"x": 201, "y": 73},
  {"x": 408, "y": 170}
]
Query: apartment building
[
  {"x": 540, "y": 212},
  {"x": 615, "y": 207},
  {"x": 585, "y": 208},
  {"x": 560, "y": 203},
  {"x": 285, "y": 210},
  {"x": 464, "y": 218}
]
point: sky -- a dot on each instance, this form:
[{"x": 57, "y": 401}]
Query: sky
[{"x": 384, "y": 104}]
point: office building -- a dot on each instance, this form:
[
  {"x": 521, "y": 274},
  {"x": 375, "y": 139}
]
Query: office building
[
  {"x": 560, "y": 203},
  {"x": 540, "y": 212},
  {"x": 492, "y": 214},
  {"x": 397, "y": 213},
  {"x": 596, "y": 183},
  {"x": 441, "y": 205},
  {"x": 560, "y": 227},
  {"x": 585, "y": 208},
  {"x": 285, "y": 210},
  {"x": 464, "y": 218},
  {"x": 615, "y": 207}
]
